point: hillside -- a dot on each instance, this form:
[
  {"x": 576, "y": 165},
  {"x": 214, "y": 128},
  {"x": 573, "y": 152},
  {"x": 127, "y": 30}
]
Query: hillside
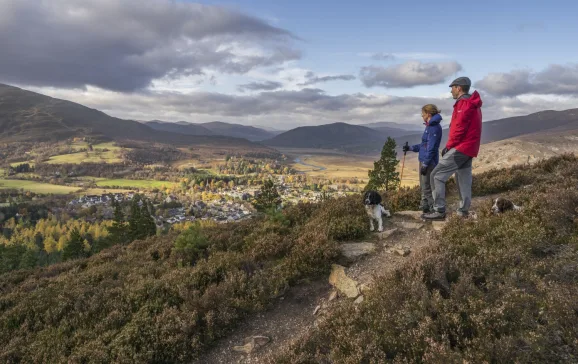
[
  {"x": 339, "y": 136},
  {"x": 29, "y": 116},
  {"x": 238, "y": 131},
  {"x": 179, "y": 127},
  {"x": 415, "y": 126},
  {"x": 507, "y": 293}
]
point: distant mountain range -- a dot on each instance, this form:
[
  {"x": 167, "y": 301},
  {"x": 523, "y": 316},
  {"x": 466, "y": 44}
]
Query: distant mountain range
[
  {"x": 213, "y": 128},
  {"x": 29, "y": 116}
]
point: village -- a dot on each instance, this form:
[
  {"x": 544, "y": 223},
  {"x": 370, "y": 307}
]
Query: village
[{"x": 226, "y": 206}]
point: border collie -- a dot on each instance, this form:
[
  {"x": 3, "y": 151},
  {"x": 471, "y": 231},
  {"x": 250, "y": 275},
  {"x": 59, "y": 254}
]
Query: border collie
[
  {"x": 372, "y": 201},
  {"x": 502, "y": 205}
]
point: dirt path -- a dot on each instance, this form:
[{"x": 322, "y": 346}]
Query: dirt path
[{"x": 293, "y": 315}]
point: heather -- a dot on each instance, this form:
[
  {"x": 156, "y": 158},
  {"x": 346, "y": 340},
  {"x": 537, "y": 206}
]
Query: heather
[
  {"x": 499, "y": 289},
  {"x": 168, "y": 298}
]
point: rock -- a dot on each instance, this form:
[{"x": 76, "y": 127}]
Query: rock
[
  {"x": 364, "y": 288},
  {"x": 410, "y": 225},
  {"x": 413, "y": 214},
  {"x": 252, "y": 343},
  {"x": 386, "y": 234},
  {"x": 402, "y": 251},
  {"x": 316, "y": 310},
  {"x": 333, "y": 295},
  {"x": 356, "y": 250},
  {"x": 438, "y": 225},
  {"x": 342, "y": 282},
  {"x": 358, "y": 300}
]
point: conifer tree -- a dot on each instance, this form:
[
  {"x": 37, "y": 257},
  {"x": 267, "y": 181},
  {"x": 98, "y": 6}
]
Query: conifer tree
[
  {"x": 118, "y": 231},
  {"x": 268, "y": 197},
  {"x": 384, "y": 174},
  {"x": 75, "y": 247}
]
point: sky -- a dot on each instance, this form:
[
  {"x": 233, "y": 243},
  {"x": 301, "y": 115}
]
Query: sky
[{"x": 283, "y": 64}]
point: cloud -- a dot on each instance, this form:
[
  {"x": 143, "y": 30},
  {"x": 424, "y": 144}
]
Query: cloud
[
  {"x": 125, "y": 45},
  {"x": 555, "y": 80},
  {"x": 285, "y": 109},
  {"x": 408, "y": 74},
  {"x": 383, "y": 56},
  {"x": 313, "y": 79},
  {"x": 258, "y": 86}
]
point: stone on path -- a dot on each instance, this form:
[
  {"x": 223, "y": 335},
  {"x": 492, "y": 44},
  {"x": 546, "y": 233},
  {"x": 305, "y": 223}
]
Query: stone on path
[
  {"x": 358, "y": 300},
  {"x": 342, "y": 282},
  {"x": 413, "y": 214},
  {"x": 386, "y": 234},
  {"x": 356, "y": 250},
  {"x": 316, "y": 310},
  {"x": 332, "y": 296},
  {"x": 410, "y": 225},
  {"x": 252, "y": 343},
  {"x": 402, "y": 251}
]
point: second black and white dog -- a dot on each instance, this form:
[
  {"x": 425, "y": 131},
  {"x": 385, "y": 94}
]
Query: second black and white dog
[
  {"x": 502, "y": 205},
  {"x": 372, "y": 201}
]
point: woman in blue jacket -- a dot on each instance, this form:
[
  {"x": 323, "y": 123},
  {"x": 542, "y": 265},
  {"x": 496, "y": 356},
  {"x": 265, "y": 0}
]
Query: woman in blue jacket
[{"x": 428, "y": 151}]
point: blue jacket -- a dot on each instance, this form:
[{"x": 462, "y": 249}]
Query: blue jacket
[{"x": 430, "y": 142}]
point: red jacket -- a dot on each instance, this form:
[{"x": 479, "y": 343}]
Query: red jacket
[{"x": 466, "y": 125}]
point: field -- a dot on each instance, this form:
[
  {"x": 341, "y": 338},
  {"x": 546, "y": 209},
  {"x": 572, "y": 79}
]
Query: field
[
  {"x": 331, "y": 164},
  {"x": 112, "y": 155},
  {"x": 36, "y": 187},
  {"x": 128, "y": 183}
]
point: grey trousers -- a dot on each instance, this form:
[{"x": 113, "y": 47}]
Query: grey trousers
[
  {"x": 460, "y": 164},
  {"x": 427, "y": 200}
]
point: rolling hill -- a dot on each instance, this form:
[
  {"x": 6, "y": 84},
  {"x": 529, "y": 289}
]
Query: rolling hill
[
  {"x": 339, "y": 136},
  {"x": 181, "y": 127},
  {"x": 27, "y": 116},
  {"x": 238, "y": 131}
]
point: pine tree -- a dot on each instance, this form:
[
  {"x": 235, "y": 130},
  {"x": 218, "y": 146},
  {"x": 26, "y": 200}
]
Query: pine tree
[
  {"x": 134, "y": 221},
  {"x": 75, "y": 247},
  {"x": 268, "y": 197},
  {"x": 384, "y": 174},
  {"x": 118, "y": 231}
]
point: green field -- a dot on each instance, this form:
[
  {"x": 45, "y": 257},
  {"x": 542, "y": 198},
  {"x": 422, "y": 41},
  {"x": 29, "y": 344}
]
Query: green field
[
  {"x": 18, "y": 163},
  {"x": 36, "y": 187},
  {"x": 112, "y": 155},
  {"x": 134, "y": 183}
]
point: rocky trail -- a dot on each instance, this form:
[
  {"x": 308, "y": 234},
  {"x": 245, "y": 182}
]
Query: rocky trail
[{"x": 292, "y": 315}]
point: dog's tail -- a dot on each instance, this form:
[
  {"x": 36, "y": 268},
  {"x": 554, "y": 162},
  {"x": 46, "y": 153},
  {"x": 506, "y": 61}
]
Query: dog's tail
[{"x": 518, "y": 208}]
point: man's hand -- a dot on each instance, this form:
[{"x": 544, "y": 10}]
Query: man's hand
[
  {"x": 444, "y": 151},
  {"x": 423, "y": 170},
  {"x": 405, "y": 148}
]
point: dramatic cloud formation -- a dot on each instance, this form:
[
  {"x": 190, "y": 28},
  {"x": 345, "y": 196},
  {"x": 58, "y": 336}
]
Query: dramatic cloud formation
[
  {"x": 408, "y": 74},
  {"x": 556, "y": 80},
  {"x": 125, "y": 45},
  {"x": 286, "y": 109},
  {"x": 260, "y": 86},
  {"x": 313, "y": 79}
]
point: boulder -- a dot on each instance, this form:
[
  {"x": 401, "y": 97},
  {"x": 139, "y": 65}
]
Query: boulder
[{"x": 342, "y": 282}]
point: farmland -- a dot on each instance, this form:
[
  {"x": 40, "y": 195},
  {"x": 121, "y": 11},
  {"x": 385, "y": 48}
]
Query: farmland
[{"x": 36, "y": 187}]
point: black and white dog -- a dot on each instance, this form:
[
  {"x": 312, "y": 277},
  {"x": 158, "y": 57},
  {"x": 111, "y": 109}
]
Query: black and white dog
[
  {"x": 502, "y": 205},
  {"x": 372, "y": 201}
]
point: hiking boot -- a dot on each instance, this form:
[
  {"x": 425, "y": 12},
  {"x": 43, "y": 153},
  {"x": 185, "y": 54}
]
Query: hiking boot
[{"x": 435, "y": 216}]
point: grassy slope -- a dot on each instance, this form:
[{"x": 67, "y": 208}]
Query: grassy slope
[
  {"x": 134, "y": 183},
  {"x": 36, "y": 187}
]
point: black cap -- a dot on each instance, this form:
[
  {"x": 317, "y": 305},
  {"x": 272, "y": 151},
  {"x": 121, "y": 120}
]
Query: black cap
[{"x": 461, "y": 81}]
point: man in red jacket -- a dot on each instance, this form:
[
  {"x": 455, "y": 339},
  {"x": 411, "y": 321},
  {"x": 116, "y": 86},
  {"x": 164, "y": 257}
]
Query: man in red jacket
[{"x": 462, "y": 146}]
